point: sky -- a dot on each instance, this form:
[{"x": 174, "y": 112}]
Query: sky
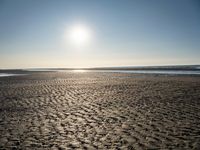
[{"x": 124, "y": 33}]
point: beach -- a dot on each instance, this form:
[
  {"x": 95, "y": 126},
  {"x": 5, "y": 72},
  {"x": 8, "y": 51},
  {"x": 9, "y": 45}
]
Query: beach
[{"x": 99, "y": 110}]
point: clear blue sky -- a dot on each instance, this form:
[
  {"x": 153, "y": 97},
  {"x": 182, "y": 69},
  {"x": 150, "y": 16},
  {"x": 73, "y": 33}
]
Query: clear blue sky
[{"x": 126, "y": 32}]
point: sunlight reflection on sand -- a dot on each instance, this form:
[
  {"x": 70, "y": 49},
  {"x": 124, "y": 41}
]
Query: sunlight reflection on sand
[{"x": 79, "y": 70}]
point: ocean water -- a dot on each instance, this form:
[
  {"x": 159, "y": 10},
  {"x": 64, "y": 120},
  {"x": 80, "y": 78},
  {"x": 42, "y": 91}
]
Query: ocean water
[
  {"x": 167, "y": 72},
  {"x": 195, "y": 71},
  {"x": 9, "y": 74}
]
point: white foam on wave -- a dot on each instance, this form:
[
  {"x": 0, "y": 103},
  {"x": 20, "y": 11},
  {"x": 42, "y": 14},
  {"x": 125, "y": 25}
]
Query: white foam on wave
[{"x": 9, "y": 74}]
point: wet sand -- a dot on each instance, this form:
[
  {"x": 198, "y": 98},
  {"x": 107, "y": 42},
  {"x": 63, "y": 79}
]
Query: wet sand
[{"x": 62, "y": 110}]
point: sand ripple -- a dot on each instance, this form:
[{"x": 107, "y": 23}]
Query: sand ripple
[{"x": 99, "y": 111}]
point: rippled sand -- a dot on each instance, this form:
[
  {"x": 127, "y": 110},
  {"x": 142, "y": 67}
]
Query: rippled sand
[{"x": 99, "y": 111}]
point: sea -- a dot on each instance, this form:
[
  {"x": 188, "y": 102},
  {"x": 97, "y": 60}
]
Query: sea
[{"x": 166, "y": 70}]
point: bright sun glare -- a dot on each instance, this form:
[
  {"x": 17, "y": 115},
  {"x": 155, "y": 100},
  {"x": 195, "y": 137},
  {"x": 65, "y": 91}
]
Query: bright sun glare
[{"x": 79, "y": 35}]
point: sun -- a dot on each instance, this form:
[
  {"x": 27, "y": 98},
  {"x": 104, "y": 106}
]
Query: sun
[{"x": 79, "y": 35}]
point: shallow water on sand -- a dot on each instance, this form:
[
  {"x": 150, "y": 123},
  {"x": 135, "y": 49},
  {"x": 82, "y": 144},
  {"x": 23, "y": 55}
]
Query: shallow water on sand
[
  {"x": 165, "y": 72},
  {"x": 169, "y": 72},
  {"x": 8, "y": 74}
]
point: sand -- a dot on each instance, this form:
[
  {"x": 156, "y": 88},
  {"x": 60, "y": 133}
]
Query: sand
[{"x": 60, "y": 110}]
